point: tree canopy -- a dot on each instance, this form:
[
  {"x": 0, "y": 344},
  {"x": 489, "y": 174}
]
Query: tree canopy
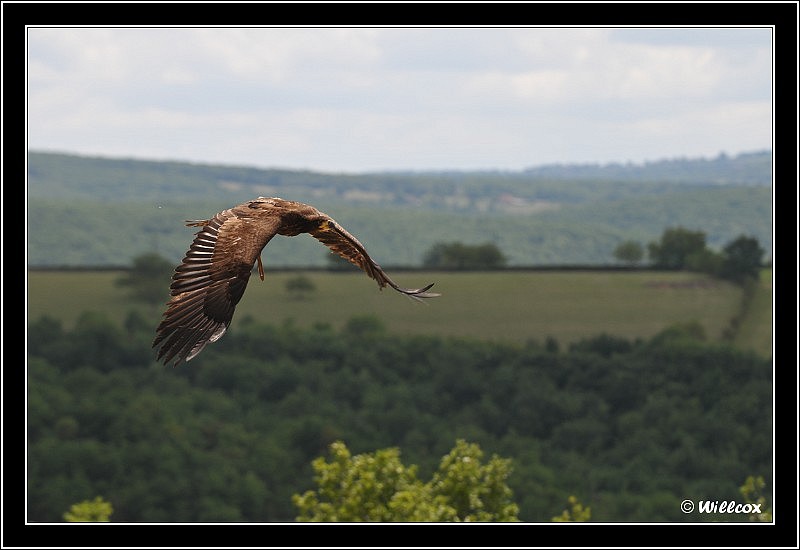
[
  {"x": 632, "y": 427},
  {"x": 379, "y": 487},
  {"x": 679, "y": 248},
  {"x": 676, "y": 247},
  {"x": 742, "y": 259},
  {"x": 630, "y": 252},
  {"x": 97, "y": 510},
  {"x": 457, "y": 255}
]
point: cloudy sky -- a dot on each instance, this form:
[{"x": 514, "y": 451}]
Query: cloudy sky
[{"x": 366, "y": 99}]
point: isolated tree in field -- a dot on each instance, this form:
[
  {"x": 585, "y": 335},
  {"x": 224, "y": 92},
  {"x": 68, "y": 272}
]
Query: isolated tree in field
[
  {"x": 147, "y": 278},
  {"x": 462, "y": 256},
  {"x": 300, "y": 286},
  {"x": 676, "y": 246},
  {"x": 742, "y": 259},
  {"x": 630, "y": 252},
  {"x": 379, "y": 487}
]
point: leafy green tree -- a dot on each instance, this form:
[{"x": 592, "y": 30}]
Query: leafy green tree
[
  {"x": 630, "y": 252},
  {"x": 476, "y": 492},
  {"x": 461, "y": 256},
  {"x": 677, "y": 244},
  {"x": 89, "y": 511},
  {"x": 742, "y": 259},
  {"x": 379, "y": 487},
  {"x": 753, "y": 492},
  {"x": 148, "y": 279},
  {"x": 574, "y": 511},
  {"x": 705, "y": 261},
  {"x": 300, "y": 286}
]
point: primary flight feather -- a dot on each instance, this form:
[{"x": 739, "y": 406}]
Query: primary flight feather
[{"x": 213, "y": 276}]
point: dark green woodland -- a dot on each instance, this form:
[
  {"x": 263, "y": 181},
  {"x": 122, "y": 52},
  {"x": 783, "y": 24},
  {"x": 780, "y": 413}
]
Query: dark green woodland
[{"x": 630, "y": 427}]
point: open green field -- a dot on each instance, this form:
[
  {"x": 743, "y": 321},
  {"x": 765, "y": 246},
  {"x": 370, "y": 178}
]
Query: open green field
[
  {"x": 755, "y": 331},
  {"x": 509, "y": 305}
]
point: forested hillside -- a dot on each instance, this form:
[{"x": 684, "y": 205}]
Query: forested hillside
[
  {"x": 630, "y": 427},
  {"x": 103, "y": 212}
]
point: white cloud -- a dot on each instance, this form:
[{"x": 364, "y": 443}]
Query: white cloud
[
  {"x": 744, "y": 122},
  {"x": 398, "y": 98}
]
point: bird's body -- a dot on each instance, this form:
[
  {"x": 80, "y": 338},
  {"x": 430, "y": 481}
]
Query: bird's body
[{"x": 214, "y": 273}]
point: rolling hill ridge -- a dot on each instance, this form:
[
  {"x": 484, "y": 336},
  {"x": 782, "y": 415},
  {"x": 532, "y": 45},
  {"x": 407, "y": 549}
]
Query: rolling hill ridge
[{"x": 542, "y": 216}]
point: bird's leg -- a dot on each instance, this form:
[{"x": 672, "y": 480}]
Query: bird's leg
[{"x": 260, "y": 268}]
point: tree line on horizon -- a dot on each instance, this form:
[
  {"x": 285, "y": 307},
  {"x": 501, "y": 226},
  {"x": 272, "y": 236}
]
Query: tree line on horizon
[
  {"x": 535, "y": 219},
  {"x": 683, "y": 249}
]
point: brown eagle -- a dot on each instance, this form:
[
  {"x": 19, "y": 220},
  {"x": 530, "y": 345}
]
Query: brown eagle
[{"x": 212, "y": 277}]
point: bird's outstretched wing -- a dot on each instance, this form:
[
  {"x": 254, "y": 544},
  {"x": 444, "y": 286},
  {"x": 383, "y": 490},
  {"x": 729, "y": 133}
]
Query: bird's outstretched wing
[
  {"x": 335, "y": 237},
  {"x": 213, "y": 275},
  {"x": 209, "y": 283}
]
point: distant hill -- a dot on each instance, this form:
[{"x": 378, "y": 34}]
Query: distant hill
[
  {"x": 54, "y": 175},
  {"x": 105, "y": 211},
  {"x": 745, "y": 169}
]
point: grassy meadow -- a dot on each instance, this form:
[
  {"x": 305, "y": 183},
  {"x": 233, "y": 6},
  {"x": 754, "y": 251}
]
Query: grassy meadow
[
  {"x": 755, "y": 331},
  {"x": 512, "y": 306}
]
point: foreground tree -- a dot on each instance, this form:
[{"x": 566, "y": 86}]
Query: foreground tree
[
  {"x": 752, "y": 491},
  {"x": 89, "y": 511},
  {"x": 575, "y": 511},
  {"x": 379, "y": 487}
]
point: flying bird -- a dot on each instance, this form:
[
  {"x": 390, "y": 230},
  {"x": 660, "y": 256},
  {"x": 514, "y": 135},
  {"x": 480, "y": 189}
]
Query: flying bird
[{"x": 213, "y": 275}]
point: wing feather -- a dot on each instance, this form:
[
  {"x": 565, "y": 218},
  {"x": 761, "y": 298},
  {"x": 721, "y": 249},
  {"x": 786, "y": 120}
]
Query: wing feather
[
  {"x": 212, "y": 277},
  {"x": 209, "y": 282},
  {"x": 341, "y": 242}
]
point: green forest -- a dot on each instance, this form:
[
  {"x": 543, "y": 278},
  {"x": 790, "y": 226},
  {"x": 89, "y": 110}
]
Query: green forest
[{"x": 629, "y": 427}]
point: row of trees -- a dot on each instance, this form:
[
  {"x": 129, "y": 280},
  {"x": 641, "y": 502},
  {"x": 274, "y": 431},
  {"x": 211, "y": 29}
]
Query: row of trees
[
  {"x": 683, "y": 249},
  {"x": 678, "y": 249}
]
